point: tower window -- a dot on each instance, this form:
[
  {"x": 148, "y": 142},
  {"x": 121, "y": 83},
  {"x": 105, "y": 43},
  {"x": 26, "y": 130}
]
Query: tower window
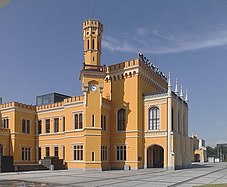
[
  {"x": 93, "y": 44},
  {"x": 93, "y": 120},
  {"x": 88, "y": 44},
  {"x": 93, "y": 58}
]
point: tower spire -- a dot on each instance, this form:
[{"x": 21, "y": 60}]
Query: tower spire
[
  {"x": 176, "y": 88},
  {"x": 181, "y": 92},
  {"x": 186, "y": 96},
  {"x": 169, "y": 85}
]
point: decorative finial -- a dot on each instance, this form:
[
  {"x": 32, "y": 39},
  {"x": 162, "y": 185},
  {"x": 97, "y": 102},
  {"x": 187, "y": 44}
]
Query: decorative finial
[
  {"x": 186, "y": 96},
  {"x": 181, "y": 92},
  {"x": 169, "y": 81},
  {"x": 169, "y": 86},
  {"x": 176, "y": 88}
]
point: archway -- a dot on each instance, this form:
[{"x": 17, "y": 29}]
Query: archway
[
  {"x": 197, "y": 158},
  {"x": 155, "y": 157}
]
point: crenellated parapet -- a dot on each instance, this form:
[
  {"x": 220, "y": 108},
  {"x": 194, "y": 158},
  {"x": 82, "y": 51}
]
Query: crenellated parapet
[
  {"x": 137, "y": 67},
  {"x": 74, "y": 99},
  {"x": 4, "y": 131},
  {"x": 92, "y": 23},
  {"x": 49, "y": 106},
  {"x": 18, "y": 105},
  {"x": 122, "y": 70},
  {"x": 68, "y": 100}
]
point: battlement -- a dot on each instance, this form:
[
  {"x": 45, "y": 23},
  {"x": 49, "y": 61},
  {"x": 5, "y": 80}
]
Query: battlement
[
  {"x": 74, "y": 99},
  {"x": 48, "y": 106},
  {"x": 92, "y": 23},
  {"x": 60, "y": 104},
  {"x": 17, "y": 104},
  {"x": 5, "y": 131},
  {"x": 123, "y": 65}
]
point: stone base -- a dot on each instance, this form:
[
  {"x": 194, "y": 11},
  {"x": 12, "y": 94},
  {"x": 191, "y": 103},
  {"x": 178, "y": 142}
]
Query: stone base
[{"x": 171, "y": 168}]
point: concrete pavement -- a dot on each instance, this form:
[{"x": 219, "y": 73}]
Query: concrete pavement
[{"x": 199, "y": 174}]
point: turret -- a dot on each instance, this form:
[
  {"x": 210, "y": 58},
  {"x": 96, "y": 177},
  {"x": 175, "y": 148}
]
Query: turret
[{"x": 92, "y": 36}]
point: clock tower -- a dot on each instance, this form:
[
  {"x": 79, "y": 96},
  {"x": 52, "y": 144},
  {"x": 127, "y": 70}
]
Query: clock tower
[
  {"x": 92, "y": 78},
  {"x": 92, "y": 74}
]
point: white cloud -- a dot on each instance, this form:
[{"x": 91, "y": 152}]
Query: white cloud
[{"x": 154, "y": 41}]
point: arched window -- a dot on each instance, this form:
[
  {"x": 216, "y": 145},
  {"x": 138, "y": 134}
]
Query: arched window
[
  {"x": 121, "y": 116},
  {"x": 154, "y": 118}
]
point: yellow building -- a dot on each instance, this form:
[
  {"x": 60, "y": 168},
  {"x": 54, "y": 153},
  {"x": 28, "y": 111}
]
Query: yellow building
[{"x": 128, "y": 117}]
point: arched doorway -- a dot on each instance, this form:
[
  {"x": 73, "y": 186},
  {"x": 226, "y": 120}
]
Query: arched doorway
[
  {"x": 197, "y": 158},
  {"x": 155, "y": 157}
]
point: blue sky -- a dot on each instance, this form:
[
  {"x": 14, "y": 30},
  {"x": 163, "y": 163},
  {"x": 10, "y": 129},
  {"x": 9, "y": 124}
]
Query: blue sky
[{"x": 41, "y": 49}]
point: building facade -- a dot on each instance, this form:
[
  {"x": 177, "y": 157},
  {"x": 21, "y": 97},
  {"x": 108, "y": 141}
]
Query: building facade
[{"x": 127, "y": 117}]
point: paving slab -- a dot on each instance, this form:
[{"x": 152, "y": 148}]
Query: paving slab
[{"x": 207, "y": 173}]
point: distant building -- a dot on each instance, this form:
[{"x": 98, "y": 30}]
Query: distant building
[
  {"x": 50, "y": 98},
  {"x": 128, "y": 117},
  {"x": 222, "y": 152},
  {"x": 199, "y": 152}
]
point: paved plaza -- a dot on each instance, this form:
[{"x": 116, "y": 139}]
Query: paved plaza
[{"x": 199, "y": 174}]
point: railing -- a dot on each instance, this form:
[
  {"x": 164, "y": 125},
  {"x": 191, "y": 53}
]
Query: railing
[{"x": 94, "y": 68}]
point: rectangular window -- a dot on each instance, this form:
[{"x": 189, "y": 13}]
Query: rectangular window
[
  {"x": 39, "y": 126},
  {"x": 56, "y": 124},
  {"x": 47, "y": 125},
  {"x": 39, "y": 153},
  {"x": 25, "y": 153},
  {"x": 28, "y": 127},
  {"x": 104, "y": 153},
  {"x": 25, "y": 126},
  {"x": 63, "y": 152},
  {"x": 103, "y": 122},
  {"x": 121, "y": 153},
  {"x": 93, "y": 120},
  {"x": 56, "y": 151},
  {"x": 63, "y": 124},
  {"x": 93, "y": 156},
  {"x": 47, "y": 151},
  {"x": 1, "y": 150},
  {"x": 78, "y": 152}
]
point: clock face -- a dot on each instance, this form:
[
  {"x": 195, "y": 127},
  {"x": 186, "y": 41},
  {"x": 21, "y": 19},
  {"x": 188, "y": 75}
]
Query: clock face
[{"x": 93, "y": 87}]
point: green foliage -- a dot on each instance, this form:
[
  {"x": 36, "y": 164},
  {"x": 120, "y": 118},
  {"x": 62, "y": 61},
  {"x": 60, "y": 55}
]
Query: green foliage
[{"x": 212, "y": 152}]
